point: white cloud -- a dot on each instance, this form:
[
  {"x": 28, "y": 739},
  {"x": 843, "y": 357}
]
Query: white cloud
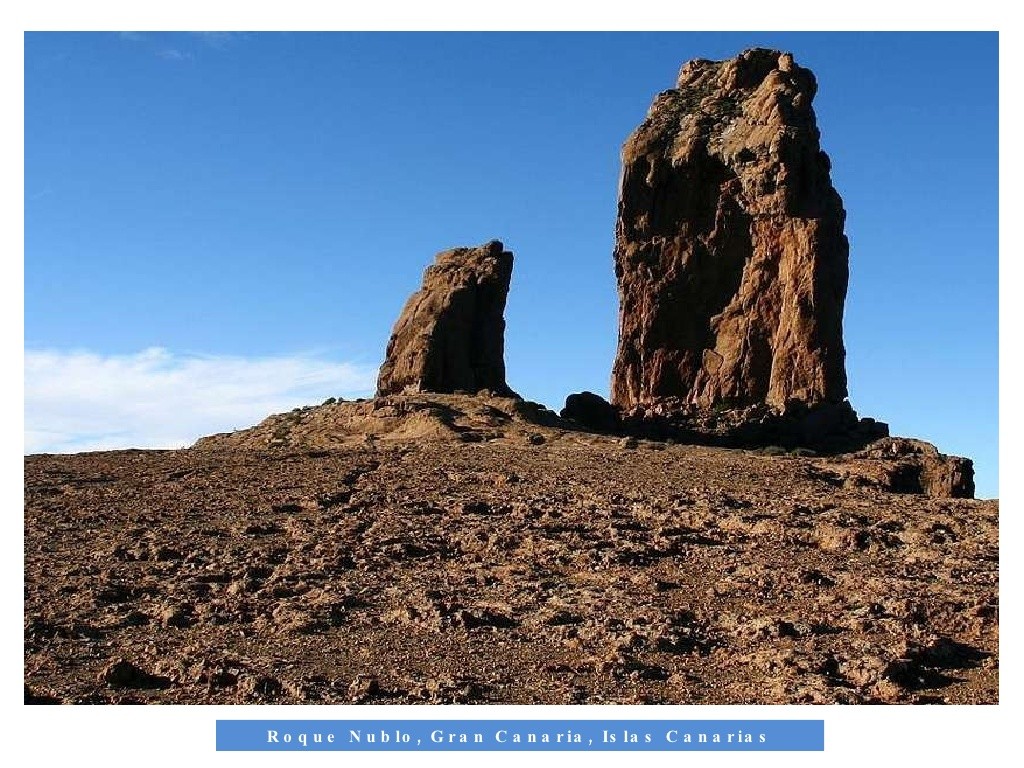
[{"x": 82, "y": 401}]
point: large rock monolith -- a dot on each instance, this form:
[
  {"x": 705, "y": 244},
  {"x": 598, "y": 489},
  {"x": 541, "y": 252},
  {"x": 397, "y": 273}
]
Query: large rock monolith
[
  {"x": 730, "y": 254},
  {"x": 450, "y": 336}
]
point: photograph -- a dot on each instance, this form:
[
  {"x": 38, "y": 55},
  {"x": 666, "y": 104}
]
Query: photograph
[{"x": 645, "y": 369}]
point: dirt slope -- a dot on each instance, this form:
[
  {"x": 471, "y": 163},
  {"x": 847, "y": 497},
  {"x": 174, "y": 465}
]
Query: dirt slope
[{"x": 527, "y": 565}]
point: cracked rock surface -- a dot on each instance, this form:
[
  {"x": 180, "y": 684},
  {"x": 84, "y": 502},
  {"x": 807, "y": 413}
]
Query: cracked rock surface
[
  {"x": 450, "y": 336},
  {"x": 730, "y": 256}
]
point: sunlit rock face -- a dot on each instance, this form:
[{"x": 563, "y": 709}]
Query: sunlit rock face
[
  {"x": 450, "y": 336},
  {"x": 730, "y": 256}
]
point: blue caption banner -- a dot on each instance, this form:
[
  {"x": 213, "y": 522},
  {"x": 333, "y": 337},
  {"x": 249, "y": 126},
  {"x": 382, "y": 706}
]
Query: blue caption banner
[{"x": 521, "y": 735}]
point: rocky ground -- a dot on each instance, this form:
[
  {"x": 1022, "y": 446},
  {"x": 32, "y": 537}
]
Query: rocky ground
[{"x": 447, "y": 551}]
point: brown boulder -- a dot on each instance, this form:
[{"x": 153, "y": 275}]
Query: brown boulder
[
  {"x": 450, "y": 336},
  {"x": 730, "y": 256},
  {"x": 904, "y": 465},
  {"x": 592, "y": 412}
]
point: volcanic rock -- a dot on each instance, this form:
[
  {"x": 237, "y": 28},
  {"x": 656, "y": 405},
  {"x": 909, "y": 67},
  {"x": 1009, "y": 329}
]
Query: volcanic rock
[
  {"x": 730, "y": 256},
  {"x": 408, "y": 418},
  {"x": 575, "y": 571},
  {"x": 591, "y": 411},
  {"x": 828, "y": 427},
  {"x": 914, "y": 466},
  {"x": 450, "y": 336},
  {"x": 122, "y": 673}
]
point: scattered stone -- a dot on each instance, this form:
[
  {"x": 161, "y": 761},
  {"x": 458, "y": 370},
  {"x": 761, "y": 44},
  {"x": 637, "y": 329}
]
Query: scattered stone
[
  {"x": 122, "y": 673},
  {"x": 363, "y": 688},
  {"x": 32, "y": 697},
  {"x": 260, "y": 687},
  {"x": 163, "y": 554},
  {"x": 484, "y": 616},
  {"x": 114, "y": 592},
  {"x": 262, "y": 529},
  {"x": 176, "y": 616}
]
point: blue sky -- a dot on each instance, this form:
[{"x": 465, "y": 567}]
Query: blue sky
[{"x": 217, "y": 226}]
